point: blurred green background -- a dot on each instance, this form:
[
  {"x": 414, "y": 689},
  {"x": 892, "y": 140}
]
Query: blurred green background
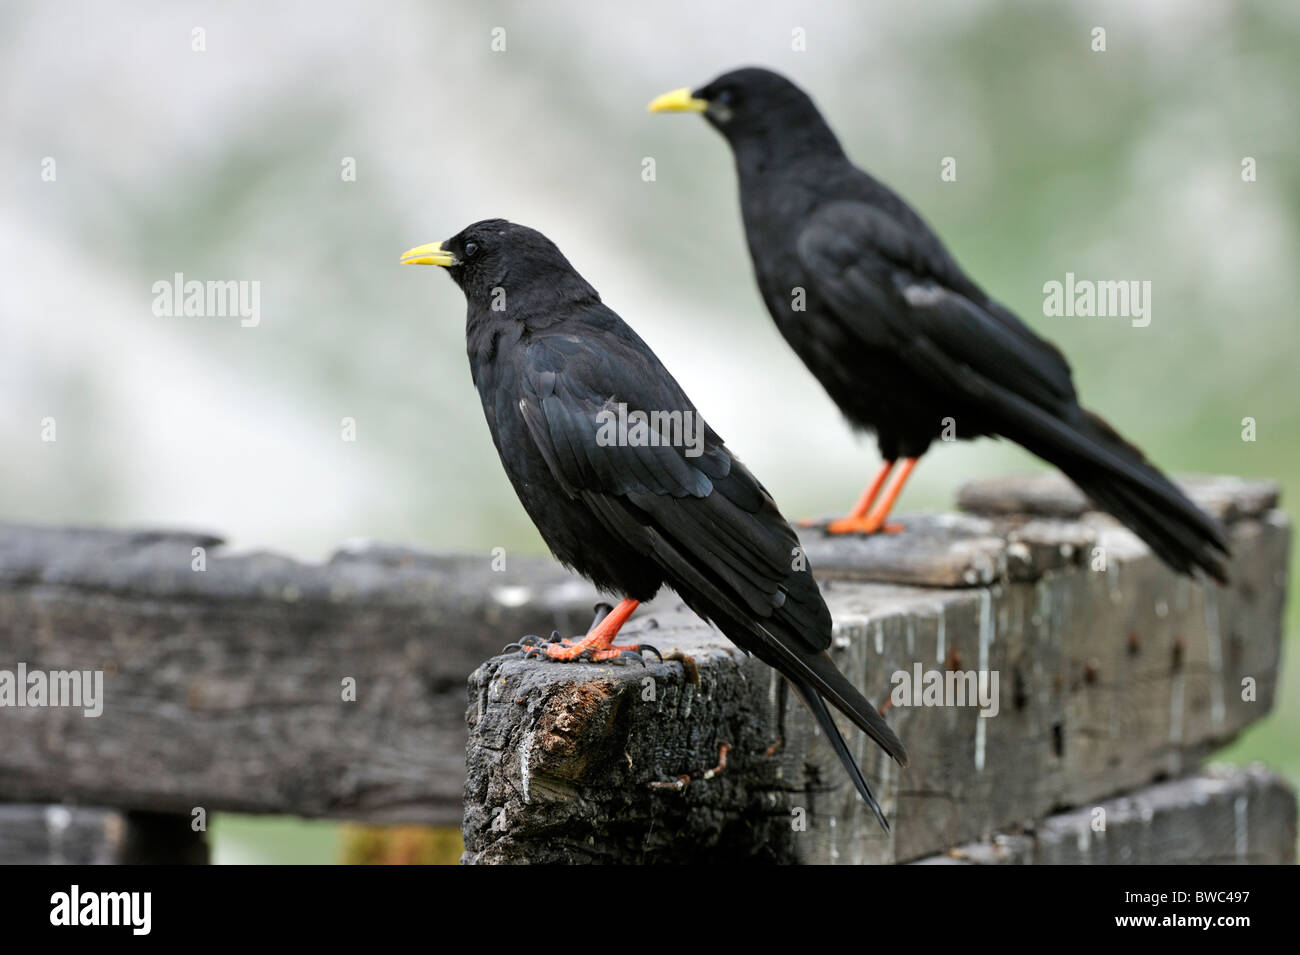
[{"x": 226, "y": 164}]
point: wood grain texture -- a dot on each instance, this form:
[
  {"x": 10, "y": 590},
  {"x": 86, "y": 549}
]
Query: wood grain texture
[{"x": 224, "y": 687}]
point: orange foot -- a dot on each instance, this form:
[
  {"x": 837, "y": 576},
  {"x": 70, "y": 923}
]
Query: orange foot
[
  {"x": 596, "y": 646},
  {"x": 851, "y": 525},
  {"x": 862, "y": 525},
  {"x": 868, "y": 517}
]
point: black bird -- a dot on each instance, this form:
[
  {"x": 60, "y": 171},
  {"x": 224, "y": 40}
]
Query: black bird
[
  {"x": 902, "y": 340},
  {"x": 669, "y": 504}
]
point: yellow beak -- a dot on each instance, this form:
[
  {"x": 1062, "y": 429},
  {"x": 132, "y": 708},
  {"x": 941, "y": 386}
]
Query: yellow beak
[
  {"x": 431, "y": 253},
  {"x": 678, "y": 101}
]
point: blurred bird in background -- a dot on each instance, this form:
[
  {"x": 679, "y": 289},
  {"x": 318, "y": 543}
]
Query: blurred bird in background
[{"x": 901, "y": 339}]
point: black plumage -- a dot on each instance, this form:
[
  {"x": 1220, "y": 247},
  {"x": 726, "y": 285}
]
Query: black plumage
[
  {"x": 901, "y": 339},
  {"x": 548, "y": 357}
]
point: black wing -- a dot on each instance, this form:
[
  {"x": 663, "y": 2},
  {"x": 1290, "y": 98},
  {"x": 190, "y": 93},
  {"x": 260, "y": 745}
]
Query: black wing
[
  {"x": 896, "y": 288},
  {"x": 704, "y": 519},
  {"x": 884, "y": 279},
  {"x": 699, "y": 515}
]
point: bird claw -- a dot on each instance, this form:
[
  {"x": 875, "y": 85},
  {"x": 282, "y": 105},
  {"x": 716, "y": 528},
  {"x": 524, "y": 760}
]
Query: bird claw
[
  {"x": 596, "y": 647},
  {"x": 535, "y": 648},
  {"x": 522, "y": 643},
  {"x": 633, "y": 654}
]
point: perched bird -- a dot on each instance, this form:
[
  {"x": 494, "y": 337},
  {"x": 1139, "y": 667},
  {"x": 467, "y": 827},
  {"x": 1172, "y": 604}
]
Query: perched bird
[
  {"x": 635, "y": 509},
  {"x": 902, "y": 340}
]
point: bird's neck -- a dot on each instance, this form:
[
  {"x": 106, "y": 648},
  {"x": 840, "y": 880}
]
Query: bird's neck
[
  {"x": 534, "y": 307},
  {"x": 776, "y": 195},
  {"x": 770, "y": 153}
]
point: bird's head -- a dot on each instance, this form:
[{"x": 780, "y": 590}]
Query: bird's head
[
  {"x": 494, "y": 259},
  {"x": 754, "y": 108}
]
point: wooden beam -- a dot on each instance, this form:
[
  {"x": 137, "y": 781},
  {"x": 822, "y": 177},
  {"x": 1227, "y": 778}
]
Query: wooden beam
[
  {"x": 1222, "y": 816},
  {"x": 224, "y": 686},
  {"x": 1112, "y": 674},
  {"x": 81, "y": 835}
]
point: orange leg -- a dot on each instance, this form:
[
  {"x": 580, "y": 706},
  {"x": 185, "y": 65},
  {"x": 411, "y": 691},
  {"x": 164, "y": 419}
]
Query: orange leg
[
  {"x": 864, "y": 521},
  {"x": 868, "y": 496},
  {"x": 597, "y": 645}
]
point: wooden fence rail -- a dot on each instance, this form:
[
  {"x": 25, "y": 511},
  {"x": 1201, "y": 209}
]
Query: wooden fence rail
[
  {"x": 225, "y": 686},
  {"x": 255, "y": 683}
]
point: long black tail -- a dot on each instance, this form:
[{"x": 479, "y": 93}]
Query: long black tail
[
  {"x": 812, "y": 674},
  {"x": 819, "y": 673},
  {"x": 812, "y": 699},
  {"x": 1123, "y": 483},
  {"x": 816, "y": 679},
  {"x": 792, "y": 637}
]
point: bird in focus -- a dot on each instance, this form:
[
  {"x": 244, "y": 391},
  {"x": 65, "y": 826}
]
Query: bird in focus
[
  {"x": 901, "y": 339},
  {"x": 552, "y": 364}
]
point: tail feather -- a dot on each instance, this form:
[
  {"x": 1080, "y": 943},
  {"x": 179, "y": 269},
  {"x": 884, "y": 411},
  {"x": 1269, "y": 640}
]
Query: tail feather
[
  {"x": 813, "y": 675},
  {"x": 1118, "y": 477},
  {"x": 812, "y": 699},
  {"x": 835, "y": 686},
  {"x": 1150, "y": 505},
  {"x": 784, "y": 641},
  {"x": 1169, "y": 535},
  {"x": 1113, "y": 473}
]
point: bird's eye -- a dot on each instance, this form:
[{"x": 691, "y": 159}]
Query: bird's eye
[
  {"x": 726, "y": 98},
  {"x": 471, "y": 248}
]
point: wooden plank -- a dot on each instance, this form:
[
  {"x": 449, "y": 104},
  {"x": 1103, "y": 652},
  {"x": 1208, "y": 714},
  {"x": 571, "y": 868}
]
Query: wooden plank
[
  {"x": 1221, "y": 816},
  {"x": 224, "y": 686},
  {"x": 1051, "y": 494},
  {"x": 1109, "y": 679},
  {"x": 60, "y": 835},
  {"x": 1002, "y": 534},
  {"x": 81, "y": 835},
  {"x": 950, "y": 550}
]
